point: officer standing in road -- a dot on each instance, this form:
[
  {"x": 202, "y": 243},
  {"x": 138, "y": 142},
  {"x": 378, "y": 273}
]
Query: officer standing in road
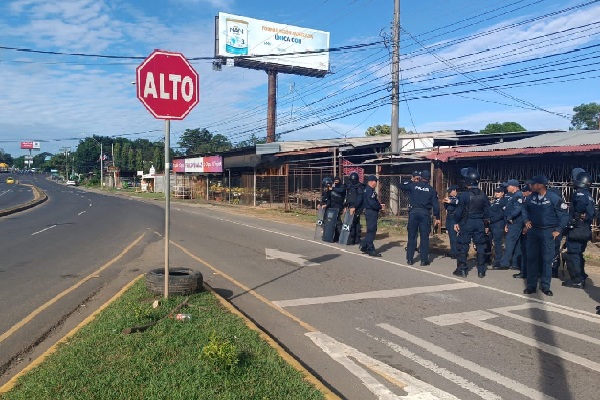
[
  {"x": 337, "y": 196},
  {"x": 513, "y": 225},
  {"x": 325, "y": 189},
  {"x": 371, "y": 206},
  {"x": 423, "y": 199},
  {"x": 472, "y": 216},
  {"x": 546, "y": 217},
  {"x": 450, "y": 203},
  {"x": 497, "y": 222},
  {"x": 354, "y": 202},
  {"x": 579, "y": 230}
]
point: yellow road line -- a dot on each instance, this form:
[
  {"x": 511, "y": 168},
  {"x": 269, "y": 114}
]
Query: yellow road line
[
  {"x": 309, "y": 377},
  {"x": 11, "y": 383},
  {"x": 50, "y": 302}
]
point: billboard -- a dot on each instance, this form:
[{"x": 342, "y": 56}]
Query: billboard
[
  {"x": 258, "y": 44},
  {"x": 30, "y": 145},
  {"x": 212, "y": 164}
]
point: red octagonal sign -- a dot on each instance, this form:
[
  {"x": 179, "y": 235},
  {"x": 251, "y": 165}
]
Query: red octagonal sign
[{"x": 167, "y": 85}]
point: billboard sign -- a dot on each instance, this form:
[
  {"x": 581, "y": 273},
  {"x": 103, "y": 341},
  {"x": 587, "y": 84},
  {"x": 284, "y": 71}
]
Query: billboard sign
[
  {"x": 264, "y": 43},
  {"x": 30, "y": 145},
  {"x": 212, "y": 164}
]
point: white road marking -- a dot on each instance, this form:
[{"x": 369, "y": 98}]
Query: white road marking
[
  {"x": 45, "y": 229},
  {"x": 443, "y": 372},
  {"x": 415, "y": 389},
  {"x": 477, "y": 319},
  {"x": 506, "y": 311},
  {"x": 469, "y": 365},
  {"x": 81, "y": 213},
  {"x": 377, "y": 294},
  {"x": 383, "y": 260},
  {"x": 299, "y": 259}
]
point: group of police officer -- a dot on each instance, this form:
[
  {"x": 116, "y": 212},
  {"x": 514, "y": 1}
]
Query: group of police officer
[
  {"x": 531, "y": 221},
  {"x": 525, "y": 224}
]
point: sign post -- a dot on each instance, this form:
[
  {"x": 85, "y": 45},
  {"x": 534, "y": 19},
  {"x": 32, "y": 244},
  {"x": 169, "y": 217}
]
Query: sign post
[{"x": 169, "y": 87}]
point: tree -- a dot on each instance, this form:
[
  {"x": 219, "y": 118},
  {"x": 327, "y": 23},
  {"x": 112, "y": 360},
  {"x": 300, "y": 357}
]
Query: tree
[
  {"x": 381, "y": 130},
  {"x": 498, "y": 127},
  {"x": 586, "y": 116}
]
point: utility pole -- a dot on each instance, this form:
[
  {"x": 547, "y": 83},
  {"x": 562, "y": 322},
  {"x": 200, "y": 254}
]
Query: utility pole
[
  {"x": 101, "y": 165},
  {"x": 271, "y": 105},
  {"x": 394, "y": 198}
]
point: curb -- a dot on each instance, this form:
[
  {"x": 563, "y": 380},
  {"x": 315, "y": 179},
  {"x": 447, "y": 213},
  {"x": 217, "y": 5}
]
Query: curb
[{"x": 39, "y": 196}]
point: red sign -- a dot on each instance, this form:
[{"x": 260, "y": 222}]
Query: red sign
[
  {"x": 167, "y": 85},
  {"x": 30, "y": 145}
]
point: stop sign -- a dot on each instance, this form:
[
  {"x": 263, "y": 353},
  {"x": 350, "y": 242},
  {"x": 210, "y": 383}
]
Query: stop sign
[{"x": 167, "y": 85}]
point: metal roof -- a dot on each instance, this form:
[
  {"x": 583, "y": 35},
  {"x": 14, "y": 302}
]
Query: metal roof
[{"x": 554, "y": 139}]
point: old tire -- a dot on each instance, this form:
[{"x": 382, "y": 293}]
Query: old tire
[{"x": 182, "y": 281}]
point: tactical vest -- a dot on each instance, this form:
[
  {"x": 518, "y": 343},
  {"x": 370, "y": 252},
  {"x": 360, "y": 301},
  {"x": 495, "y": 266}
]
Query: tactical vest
[{"x": 476, "y": 205}]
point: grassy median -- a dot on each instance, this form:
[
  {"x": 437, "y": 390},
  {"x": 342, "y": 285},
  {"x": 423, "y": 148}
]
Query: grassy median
[{"x": 213, "y": 355}]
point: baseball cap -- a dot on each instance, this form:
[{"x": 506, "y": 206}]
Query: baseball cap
[
  {"x": 541, "y": 179},
  {"x": 426, "y": 174},
  {"x": 371, "y": 178},
  {"x": 511, "y": 182},
  {"x": 451, "y": 188},
  {"x": 499, "y": 189},
  {"x": 526, "y": 188}
]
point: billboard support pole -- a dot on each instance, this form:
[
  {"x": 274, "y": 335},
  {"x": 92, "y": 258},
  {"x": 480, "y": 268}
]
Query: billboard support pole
[{"x": 272, "y": 105}]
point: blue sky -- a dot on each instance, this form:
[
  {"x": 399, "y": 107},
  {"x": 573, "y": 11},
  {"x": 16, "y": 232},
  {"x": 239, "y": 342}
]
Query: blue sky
[{"x": 464, "y": 64}]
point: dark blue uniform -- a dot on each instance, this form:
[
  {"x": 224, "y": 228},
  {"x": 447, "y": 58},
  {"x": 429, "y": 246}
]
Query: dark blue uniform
[
  {"x": 354, "y": 199},
  {"x": 423, "y": 199},
  {"x": 450, "y": 221},
  {"x": 514, "y": 221},
  {"x": 497, "y": 226},
  {"x": 546, "y": 214},
  {"x": 371, "y": 208},
  {"x": 582, "y": 212},
  {"x": 473, "y": 208}
]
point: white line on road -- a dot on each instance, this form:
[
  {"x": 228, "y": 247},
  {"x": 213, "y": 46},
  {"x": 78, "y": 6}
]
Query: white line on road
[
  {"x": 506, "y": 311},
  {"x": 45, "y": 229},
  {"x": 299, "y": 259},
  {"x": 415, "y": 389},
  {"x": 377, "y": 294},
  {"x": 469, "y": 365},
  {"x": 81, "y": 213},
  {"x": 477, "y": 319},
  {"x": 443, "y": 372}
]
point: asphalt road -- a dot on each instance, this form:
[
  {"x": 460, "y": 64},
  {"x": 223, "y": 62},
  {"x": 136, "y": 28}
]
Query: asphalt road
[
  {"x": 369, "y": 328},
  {"x": 13, "y": 194}
]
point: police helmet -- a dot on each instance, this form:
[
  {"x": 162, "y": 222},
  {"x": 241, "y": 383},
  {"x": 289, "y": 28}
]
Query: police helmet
[
  {"x": 425, "y": 175},
  {"x": 575, "y": 172},
  {"x": 354, "y": 177},
  {"x": 327, "y": 181},
  {"x": 583, "y": 180},
  {"x": 471, "y": 176}
]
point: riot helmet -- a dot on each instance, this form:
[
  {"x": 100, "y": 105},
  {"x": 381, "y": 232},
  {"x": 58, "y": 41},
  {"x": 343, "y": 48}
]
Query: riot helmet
[
  {"x": 471, "y": 176},
  {"x": 327, "y": 181},
  {"x": 575, "y": 172},
  {"x": 354, "y": 177},
  {"x": 583, "y": 180}
]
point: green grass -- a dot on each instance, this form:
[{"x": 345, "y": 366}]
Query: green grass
[{"x": 212, "y": 356}]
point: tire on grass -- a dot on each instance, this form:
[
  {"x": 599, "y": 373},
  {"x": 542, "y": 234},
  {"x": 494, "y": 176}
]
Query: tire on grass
[{"x": 182, "y": 281}]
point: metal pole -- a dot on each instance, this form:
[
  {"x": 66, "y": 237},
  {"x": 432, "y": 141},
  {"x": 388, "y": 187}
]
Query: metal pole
[
  {"x": 335, "y": 161},
  {"x": 101, "y": 166},
  {"x": 254, "y": 203},
  {"x": 394, "y": 198},
  {"x": 229, "y": 183},
  {"x": 271, "y": 105},
  {"x": 167, "y": 202}
]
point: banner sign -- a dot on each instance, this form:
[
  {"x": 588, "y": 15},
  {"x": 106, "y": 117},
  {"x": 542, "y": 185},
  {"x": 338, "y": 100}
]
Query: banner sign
[
  {"x": 272, "y": 43},
  {"x": 30, "y": 145},
  {"x": 212, "y": 164}
]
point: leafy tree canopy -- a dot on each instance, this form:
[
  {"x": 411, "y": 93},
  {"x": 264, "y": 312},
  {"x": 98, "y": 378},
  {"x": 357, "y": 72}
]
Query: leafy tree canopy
[
  {"x": 380, "y": 130},
  {"x": 503, "y": 127},
  {"x": 198, "y": 141},
  {"x": 586, "y": 116}
]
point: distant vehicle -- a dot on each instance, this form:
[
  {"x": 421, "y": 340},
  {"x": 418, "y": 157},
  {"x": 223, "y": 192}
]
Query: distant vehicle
[
  {"x": 71, "y": 183},
  {"x": 10, "y": 180}
]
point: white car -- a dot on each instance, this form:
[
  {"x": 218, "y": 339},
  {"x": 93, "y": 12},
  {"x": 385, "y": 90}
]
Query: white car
[{"x": 71, "y": 183}]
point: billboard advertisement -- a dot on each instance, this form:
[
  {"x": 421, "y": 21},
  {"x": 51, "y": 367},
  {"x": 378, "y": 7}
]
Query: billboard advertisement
[
  {"x": 267, "y": 42},
  {"x": 30, "y": 145},
  {"x": 212, "y": 164}
]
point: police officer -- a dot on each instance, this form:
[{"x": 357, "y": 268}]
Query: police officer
[
  {"x": 423, "y": 199},
  {"x": 354, "y": 202},
  {"x": 581, "y": 216},
  {"x": 371, "y": 206},
  {"x": 337, "y": 195},
  {"x": 472, "y": 216},
  {"x": 513, "y": 225},
  {"x": 325, "y": 188},
  {"x": 450, "y": 203},
  {"x": 521, "y": 264},
  {"x": 497, "y": 222},
  {"x": 546, "y": 217}
]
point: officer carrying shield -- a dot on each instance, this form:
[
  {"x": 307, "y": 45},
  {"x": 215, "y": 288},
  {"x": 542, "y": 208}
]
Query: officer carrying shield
[
  {"x": 355, "y": 191},
  {"x": 579, "y": 229},
  {"x": 472, "y": 216}
]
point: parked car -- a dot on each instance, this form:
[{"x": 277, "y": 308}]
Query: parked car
[
  {"x": 10, "y": 179},
  {"x": 71, "y": 183}
]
